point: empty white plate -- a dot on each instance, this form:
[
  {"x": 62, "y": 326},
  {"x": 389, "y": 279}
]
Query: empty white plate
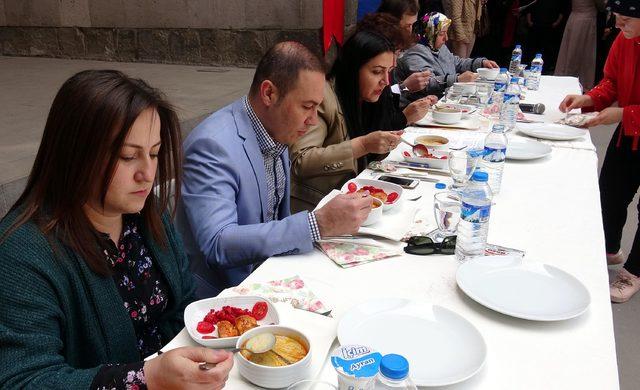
[
  {"x": 526, "y": 149},
  {"x": 551, "y": 131},
  {"x": 529, "y": 290},
  {"x": 442, "y": 347}
]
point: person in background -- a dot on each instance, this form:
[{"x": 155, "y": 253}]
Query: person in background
[
  {"x": 235, "y": 210},
  {"x": 577, "y": 55},
  {"x": 607, "y": 33},
  {"x": 545, "y": 21},
  {"x": 405, "y": 10},
  {"x": 94, "y": 278},
  {"x": 465, "y": 15},
  {"x": 620, "y": 174},
  {"x": 432, "y": 54},
  {"x": 337, "y": 148}
]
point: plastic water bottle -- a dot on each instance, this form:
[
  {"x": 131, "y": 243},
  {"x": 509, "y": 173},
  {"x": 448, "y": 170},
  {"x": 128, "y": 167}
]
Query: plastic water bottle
[
  {"x": 516, "y": 58},
  {"x": 535, "y": 72},
  {"x": 495, "y": 154},
  {"x": 510, "y": 105},
  {"x": 500, "y": 85},
  {"x": 394, "y": 374},
  {"x": 474, "y": 217}
]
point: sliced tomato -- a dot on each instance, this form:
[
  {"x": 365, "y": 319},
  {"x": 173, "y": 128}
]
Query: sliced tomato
[
  {"x": 352, "y": 187},
  {"x": 205, "y": 327},
  {"x": 392, "y": 197},
  {"x": 259, "y": 310}
]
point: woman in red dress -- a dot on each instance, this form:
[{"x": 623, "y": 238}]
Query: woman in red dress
[{"x": 620, "y": 174}]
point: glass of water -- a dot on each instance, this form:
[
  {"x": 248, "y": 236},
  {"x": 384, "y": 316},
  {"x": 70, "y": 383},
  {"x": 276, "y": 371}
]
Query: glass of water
[
  {"x": 462, "y": 163},
  {"x": 446, "y": 209},
  {"x": 484, "y": 93}
]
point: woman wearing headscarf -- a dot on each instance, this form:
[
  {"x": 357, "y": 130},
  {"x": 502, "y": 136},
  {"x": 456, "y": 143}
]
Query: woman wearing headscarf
[
  {"x": 432, "y": 54},
  {"x": 620, "y": 174}
]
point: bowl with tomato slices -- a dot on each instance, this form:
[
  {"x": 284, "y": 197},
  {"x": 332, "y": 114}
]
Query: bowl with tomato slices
[
  {"x": 390, "y": 194},
  {"x": 218, "y": 322}
]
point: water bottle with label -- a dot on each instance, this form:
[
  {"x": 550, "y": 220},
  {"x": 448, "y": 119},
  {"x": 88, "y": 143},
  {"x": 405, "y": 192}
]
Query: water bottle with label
[
  {"x": 394, "y": 374},
  {"x": 500, "y": 85},
  {"x": 516, "y": 58},
  {"x": 495, "y": 154},
  {"x": 510, "y": 105},
  {"x": 473, "y": 227},
  {"x": 535, "y": 72}
]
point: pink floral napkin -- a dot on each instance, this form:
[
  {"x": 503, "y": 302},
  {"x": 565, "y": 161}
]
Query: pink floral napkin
[
  {"x": 290, "y": 290},
  {"x": 347, "y": 254}
]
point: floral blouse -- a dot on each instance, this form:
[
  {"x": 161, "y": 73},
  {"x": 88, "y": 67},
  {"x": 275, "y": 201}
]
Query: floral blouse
[{"x": 144, "y": 293}]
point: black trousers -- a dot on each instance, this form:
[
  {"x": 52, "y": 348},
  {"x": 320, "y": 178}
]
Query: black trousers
[{"x": 619, "y": 182}]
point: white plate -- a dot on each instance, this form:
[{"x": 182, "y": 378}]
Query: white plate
[
  {"x": 196, "y": 311},
  {"x": 469, "y": 123},
  {"x": 529, "y": 290},
  {"x": 526, "y": 149},
  {"x": 436, "y": 163},
  {"x": 551, "y": 131},
  {"x": 442, "y": 347},
  {"x": 384, "y": 185}
]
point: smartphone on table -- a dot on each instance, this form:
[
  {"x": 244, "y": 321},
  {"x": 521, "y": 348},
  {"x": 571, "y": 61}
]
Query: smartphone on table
[{"x": 401, "y": 181}]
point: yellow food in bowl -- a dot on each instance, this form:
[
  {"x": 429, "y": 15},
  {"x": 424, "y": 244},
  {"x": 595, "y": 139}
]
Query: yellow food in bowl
[{"x": 286, "y": 351}]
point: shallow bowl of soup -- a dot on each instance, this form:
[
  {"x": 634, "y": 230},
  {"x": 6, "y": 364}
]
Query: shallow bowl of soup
[
  {"x": 432, "y": 141},
  {"x": 286, "y": 363},
  {"x": 447, "y": 116}
]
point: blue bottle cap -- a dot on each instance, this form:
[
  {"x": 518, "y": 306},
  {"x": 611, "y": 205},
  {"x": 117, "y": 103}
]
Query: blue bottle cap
[
  {"x": 503, "y": 70},
  {"x": 538, "y": 55},
  {"x": 514, "y": 80},
  {"x": 480, "y": 176},
  {"x": 394, "y": 366},
  {"x": 441, "y": 186},
  {"x": 518, "y": 47}
]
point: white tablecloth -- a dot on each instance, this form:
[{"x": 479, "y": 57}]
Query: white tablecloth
[{"x": 549, "y": 208}]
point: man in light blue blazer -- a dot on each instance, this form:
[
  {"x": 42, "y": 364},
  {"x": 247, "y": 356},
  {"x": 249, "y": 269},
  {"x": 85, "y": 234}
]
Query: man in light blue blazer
[{"x": 234, "y": 210}]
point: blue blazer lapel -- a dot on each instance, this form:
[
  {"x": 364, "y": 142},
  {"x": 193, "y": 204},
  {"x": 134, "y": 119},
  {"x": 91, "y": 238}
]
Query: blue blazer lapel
[{"x": 252, "y": 150}]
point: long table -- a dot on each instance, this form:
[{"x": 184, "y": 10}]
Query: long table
[{"x": 549, "y": 208}]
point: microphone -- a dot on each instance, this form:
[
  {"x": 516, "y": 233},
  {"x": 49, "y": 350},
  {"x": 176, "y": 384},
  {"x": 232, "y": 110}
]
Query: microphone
[{"x": 536, "y": 108}]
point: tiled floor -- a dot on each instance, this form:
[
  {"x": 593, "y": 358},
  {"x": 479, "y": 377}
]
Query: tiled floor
[{"x": 27, "y": 86}]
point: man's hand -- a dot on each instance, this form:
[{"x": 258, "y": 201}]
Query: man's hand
[
  {"x": 467, "y": 77},
  {"x": 490, "y": 64},
  {"x": 417, "y": 81},
  {"x": 607, "y": 116},
  {"x": 343, "y": 214},
  {"x": 571, "y": 102}
]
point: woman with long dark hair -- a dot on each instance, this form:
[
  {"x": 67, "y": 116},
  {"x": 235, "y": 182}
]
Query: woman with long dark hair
[
  {"x": 335, "y": 150},
  {"x": 94, "y": 277}
]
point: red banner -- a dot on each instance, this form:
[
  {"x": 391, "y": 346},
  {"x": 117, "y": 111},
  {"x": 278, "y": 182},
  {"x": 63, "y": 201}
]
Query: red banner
[{"x": 332, "y": 22}]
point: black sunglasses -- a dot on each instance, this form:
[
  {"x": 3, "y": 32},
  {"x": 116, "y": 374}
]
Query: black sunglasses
[{"x": 422, "y": 245}]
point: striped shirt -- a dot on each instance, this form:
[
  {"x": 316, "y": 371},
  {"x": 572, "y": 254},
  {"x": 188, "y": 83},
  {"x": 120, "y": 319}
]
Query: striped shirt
[{"x": 275, "y": 170}]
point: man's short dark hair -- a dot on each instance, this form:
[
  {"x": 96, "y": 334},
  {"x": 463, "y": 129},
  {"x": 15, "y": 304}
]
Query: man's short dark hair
[
  {"x": 282, "y": 64},
  {"x": 398, "y": 8}
]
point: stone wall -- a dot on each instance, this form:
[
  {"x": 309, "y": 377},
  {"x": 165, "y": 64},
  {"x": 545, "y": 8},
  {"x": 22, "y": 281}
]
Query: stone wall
[{"x": 212, "y": 32}]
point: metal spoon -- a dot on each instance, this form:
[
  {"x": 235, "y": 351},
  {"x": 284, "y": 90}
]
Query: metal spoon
[
  {"x": 261, "y": 343},
  {"x": 417, "y": 149}
]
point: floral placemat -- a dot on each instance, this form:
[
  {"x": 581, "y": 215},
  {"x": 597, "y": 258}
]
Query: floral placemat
[
  {"x": 347, "y": 254},
  {"x": 291, "y": 290}
]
